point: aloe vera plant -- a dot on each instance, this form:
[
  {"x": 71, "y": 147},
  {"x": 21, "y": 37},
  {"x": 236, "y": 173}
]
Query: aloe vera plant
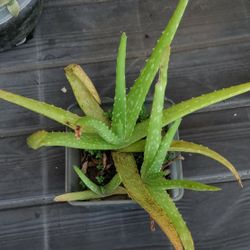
[
  {"x": 123, "y": 136},
  {"x": 12, "y": 6}
]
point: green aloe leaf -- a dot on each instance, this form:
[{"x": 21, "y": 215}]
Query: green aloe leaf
[
  {"x": 90, "y": 184},
  {"x": 166, "y": 203},
  {"x": 119, "y": 107},
  {"x": 100, "y": 128},
  {"x": 161, "y": 183},
  {"x": 87, "y": 195},
  {"x": 138, "y": 92},
  {"x": 189, "y": 147},
  {"x": 154, "y": 137},
  {"x": 168, "y": 219},
  {"x": 57, "y": 114},
  {"x": 160, "y": 156},
  {"x": 135, "y": 147},
  {"x": 85, "y": 92},
  {"x": 68, "y": 139},
  {"x": 187, "y": 107},
  {"x": 112, "y": 185}
]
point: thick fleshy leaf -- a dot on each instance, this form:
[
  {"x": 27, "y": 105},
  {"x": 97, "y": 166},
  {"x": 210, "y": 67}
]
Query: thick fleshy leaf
[
  {"x": 100, "y": 128},
  {"x": 87, "y": 195},
  {"x": 168, "y": 206},
  {"x": 135, "y": 147},
  {"x": 68, "y": 139},
  {"x": 161, "y": 183},
  {"x": 57, "y": 114},
  {"x": 112, "y": 185},
  {"x": 138, "y": 92},
  {"x": 189, "y": 147},
  {"x": 154, "y": 136},
  {"x": 90, "y": 184},
  {"x": 137, "y": 190},
  {"x": 160, "y": 156},
  {"x": 119, "y": 108},
  {"x": 74, "y": 70},
  {"x": 183, "y": 146},
  {"x": 85, "y": 92},
  {"x": 187, "y": 107}
]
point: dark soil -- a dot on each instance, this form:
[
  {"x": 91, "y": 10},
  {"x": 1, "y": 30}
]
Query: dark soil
[{"x": 99, "y": 165}]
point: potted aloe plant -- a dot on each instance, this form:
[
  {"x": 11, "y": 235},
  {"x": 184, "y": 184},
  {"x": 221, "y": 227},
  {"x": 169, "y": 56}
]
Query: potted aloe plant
[
  {"x": 18, "y": 19},
  {"x": 99, "y": 166},
  {"x": 122, "y": 135}
]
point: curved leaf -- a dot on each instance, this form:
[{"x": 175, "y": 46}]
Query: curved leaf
[
  {"x": 100, "y": 128},
  {"x": 90, "y": 184},
  {"x": 189, "y": 147},
  {"x": 183, "y": 146},
  {"x": 85, "y": 92},
  {"x": 82, "y": 84}
]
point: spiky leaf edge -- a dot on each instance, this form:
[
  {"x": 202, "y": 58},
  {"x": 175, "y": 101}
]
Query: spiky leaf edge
[
  {"x": 189, "y": 147},
  {"x": 138, "y": 92}
]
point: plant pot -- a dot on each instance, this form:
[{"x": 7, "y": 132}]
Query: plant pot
[
  {"x": 14, "y": 30},
  {"x": 72, "y": 158}
]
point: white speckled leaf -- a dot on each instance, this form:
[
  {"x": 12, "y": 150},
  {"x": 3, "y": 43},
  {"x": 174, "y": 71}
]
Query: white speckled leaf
[
  {"x": 187, "y": 107},
  {"x": 161, "y": 153},
  {"x": 137, "y": 190},
  {"x": 100, "y": 128},
  {"x": 119, "y": 108},
  {"x": 189, "y": 147},
  {"x": 138, "y": 92},
  {"x": 153, "y": 140},
  {"x": 167, "y": 204}
]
